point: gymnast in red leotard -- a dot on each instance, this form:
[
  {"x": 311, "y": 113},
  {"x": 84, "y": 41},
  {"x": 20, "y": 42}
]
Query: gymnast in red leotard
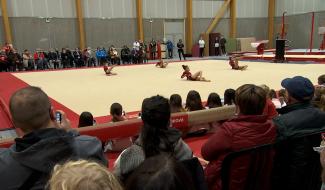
[
  {"x": 161, "y": 64},
  {"x": 108, "y": 70},
  {"x": 233, "y": 62},
  {"x": 196, "y": 77}
]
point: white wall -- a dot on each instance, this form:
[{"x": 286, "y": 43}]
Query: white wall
[
  {"x": 293, "y": 7},
  {"x": 164, "y": 9}
]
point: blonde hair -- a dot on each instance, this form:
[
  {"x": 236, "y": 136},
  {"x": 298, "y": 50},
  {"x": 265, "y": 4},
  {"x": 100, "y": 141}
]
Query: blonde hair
[
  {"x": 322, "y": 103},
  {"x": 82, "y": 175}
]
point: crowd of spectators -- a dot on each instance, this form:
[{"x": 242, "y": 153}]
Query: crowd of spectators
[{"x": 52, "y": 155}]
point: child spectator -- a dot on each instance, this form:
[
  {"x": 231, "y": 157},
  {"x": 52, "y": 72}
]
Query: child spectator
[
  {"x": 321, "y": 80},
  {"x": 229, "y": 97},
  {"x": 175, "y": 102},
  {"x": 82, "y": 175},
  {"x": 269, "y": 109},
  {"x": 193, "y": 101},
  {"x": 214, "y": 101},
  {"x": 117, "y": 112},
  {"x": 275, "y": 100},
  {"x": 86, "y": 119},
  {"x": 283, "y": 97}
]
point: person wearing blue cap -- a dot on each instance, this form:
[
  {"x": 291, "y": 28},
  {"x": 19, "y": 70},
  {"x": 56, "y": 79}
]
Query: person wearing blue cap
[{"x": 299, "y": 126}]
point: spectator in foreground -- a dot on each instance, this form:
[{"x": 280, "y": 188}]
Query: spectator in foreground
[
  {"x": 156, "y": 137},
  {"x": 27, "y": 164},
  {"x": 249, "y": 129},
  {"x": 229, "y": 97},
  {"x": 274, "y": 99},
  {"x": 175, "y": 102},
  {"x": 160, "y": 173},
  {"x": 117, "y": 112},
  {"x": 299, "y": 127},
  {"x": 318, "y": 96},
  {"x": 86, "y": 119},
  {"x": 214, "y": 101},
  {"x": 82, "y": 175},
  {"x": 321, "y": 80},
  {"x": 283, "y": 97},
  {"x": 193, "y": 101}
]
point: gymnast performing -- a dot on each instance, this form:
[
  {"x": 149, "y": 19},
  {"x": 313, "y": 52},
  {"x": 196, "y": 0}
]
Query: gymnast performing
[
  {"x": 108, "y": 70},
  {"x": 233, "y": 62},
  {"x": 161, "y": 64},
  {"x": 196, "y": 77}
]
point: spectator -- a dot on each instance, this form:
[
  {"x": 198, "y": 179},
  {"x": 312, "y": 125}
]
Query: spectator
[
  {"x": 299, "y": 127},
  {"x": 153, "y": 49},
  {"x": 3, "y": 61},
  {"x": 283, "y": 97},
  {"x": 249, "y": 129},
  {"x": 175, "y": 102},
  {"x": 156, "y": 137},
  {"x": 126, "y": 55},
  {"x": 27, "y": 60},
  {"x": 82, "y": 175},
  {"x": 319, "y": 92},
  {"x": 223, "y": 42},
  {"x": 136, "y": 45},
  {"x": 274, "y": 99},
  {"x": 180, "y": 47},
  {"x": 201, "y": 46},
  {"x": 214, "y": 101},
  {"x": 117, "y": 112},
  {"x": 160, "y": 173},
  {"x": 229, "y": 97},
  {"x": 64, "y": 58},
  {"x": 321, "y": 80},
  {"x": 269, "y": 109},
  {"x": 86, "y": 119},
  {"x": 193, "y": 101},
  {"x": 77, "y": 56},
  {"x": 170, "y": 48},
  {"x": 27, "y": 164}
]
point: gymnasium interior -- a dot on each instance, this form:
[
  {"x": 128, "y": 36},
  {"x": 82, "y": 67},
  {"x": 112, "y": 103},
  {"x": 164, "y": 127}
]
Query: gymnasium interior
[{"x": 273, "y": 39}]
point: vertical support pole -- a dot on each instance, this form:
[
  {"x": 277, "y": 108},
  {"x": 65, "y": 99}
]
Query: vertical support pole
[
  {"x": 283, "y": 26},
  {"x": 6, "y": 24},
  {"x": 312, "y": 32},
  {"x": 233, "y": 19},
  {"x": 189, "y": 26},
  {"x": 140, "y": 20},
  {"x": 81, "y": 27},
  {"x": 271, "y": 12}
]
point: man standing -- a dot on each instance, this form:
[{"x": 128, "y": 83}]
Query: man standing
[
  {"x": 46, "y": 142},
  {"x": 223, "y": 42},
  {"x": 201, "y": 45},
  {"x": 170, "y": 48},
  {"x": 299, "y": 127},
  {"x": 180, "y": 47}
]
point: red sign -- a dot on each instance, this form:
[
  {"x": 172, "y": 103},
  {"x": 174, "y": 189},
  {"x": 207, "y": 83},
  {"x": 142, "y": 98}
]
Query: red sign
[{"x": 180, "y": 121}]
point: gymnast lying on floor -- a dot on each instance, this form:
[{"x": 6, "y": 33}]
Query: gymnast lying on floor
[{"x": 195, "y": 77}]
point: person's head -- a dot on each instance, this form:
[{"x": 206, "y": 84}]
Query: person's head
[
  {"x": 322, "y": 103},
  {"x": 116, "y": 112},
  {"x": 193, "y": 101},
  {"x": 180, "y": 40},
  {"x": 250, "y": 99},
  {"x": 321, "y": 80},
  {"x": 272, "y": 94},
  {"x": 175, "y": 102},
  {"x": 31, "y": 109},
  {"x": 214, "y": 100},
  {"x": 155, "y": 114},
  {"x": 86, "y": 119},
  {"x": 82, "y": 175},
  {"x": 229, "y": 96},
  {"x": 186, "y": 67},
  {"x": 319, "y": 91},
  {"x": 265, "y": 88},
  {"x": 298, "y": 89},
  {"x": 160, "y": 173}
]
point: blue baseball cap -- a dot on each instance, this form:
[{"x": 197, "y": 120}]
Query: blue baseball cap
[{"x": 299, "y": 87}]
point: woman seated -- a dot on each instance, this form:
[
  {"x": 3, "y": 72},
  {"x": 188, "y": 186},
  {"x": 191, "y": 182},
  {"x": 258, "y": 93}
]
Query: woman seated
[
  {"x": 161, "y": 64},
  {"x": 156, "y": 137},
  {"x": 233, "y": 62},
  {"x": 195, "y": 77},
  {"x": 108, "y": 70}
]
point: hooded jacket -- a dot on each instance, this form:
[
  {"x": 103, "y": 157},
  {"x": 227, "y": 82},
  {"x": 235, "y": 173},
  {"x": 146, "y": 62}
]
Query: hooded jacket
[
  {"x": 28, "y": 163},
  {"x": 133, "y": 156},
  {"x": 234, "y": 135}
]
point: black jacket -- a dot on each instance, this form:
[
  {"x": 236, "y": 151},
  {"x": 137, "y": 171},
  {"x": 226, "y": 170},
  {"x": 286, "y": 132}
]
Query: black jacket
[
  {"x": 296, "y": 165},
  {"x": 28, "y": 163}
]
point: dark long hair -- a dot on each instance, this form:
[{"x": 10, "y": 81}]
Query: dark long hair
[
  {"x": 214, "y": 100},
  {"x": 160, "y": 173},
  {"x": 175, "y": 102},
  {"x": 193, "y": 101},
  {"x": 156, "y": 117},
  {"x": 229, "y": 97},
  {"x": 86, "y": 119}
]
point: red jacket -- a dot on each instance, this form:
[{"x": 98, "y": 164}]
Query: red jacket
[
  {"x": 270, "y": 109},
  {"x": 234, "y": 135}
]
